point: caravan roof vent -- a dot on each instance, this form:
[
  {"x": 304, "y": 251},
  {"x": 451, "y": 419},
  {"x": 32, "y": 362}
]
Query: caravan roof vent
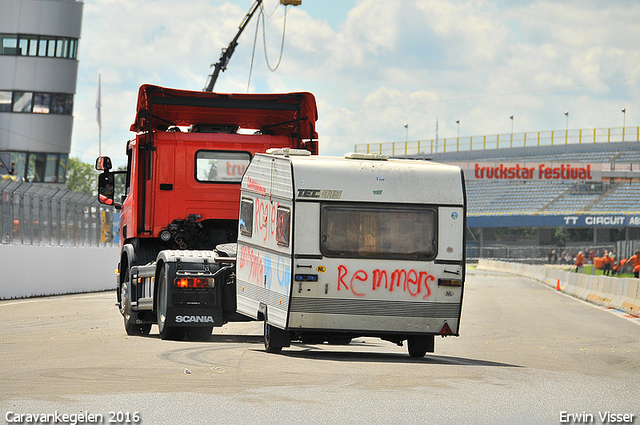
[
  {"x": 369, "y": 156},
  {"x": 288, "y": 152}
]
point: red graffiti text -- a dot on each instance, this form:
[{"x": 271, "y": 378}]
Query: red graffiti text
[
  {"x": 250, "y": 258},
  {"x": 411, "y": 281},
  {"x": 265, "y": 219}
]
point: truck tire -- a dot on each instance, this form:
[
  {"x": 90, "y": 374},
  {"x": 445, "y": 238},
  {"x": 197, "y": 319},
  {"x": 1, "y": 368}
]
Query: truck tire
[
  {"x": 166, "y": 331},
  {"x": 418, "y": 346},
  {"x": 137, "y": 329},
  {"x": 130, "y": 317}
]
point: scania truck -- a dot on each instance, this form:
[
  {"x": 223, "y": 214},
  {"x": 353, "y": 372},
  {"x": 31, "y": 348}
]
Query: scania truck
[{"x": 182, "y": 197}]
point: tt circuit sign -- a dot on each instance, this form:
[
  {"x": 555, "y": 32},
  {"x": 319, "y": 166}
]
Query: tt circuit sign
[
  {"x": 531, "y": 171},
  {"x": 538, "y": 220}
]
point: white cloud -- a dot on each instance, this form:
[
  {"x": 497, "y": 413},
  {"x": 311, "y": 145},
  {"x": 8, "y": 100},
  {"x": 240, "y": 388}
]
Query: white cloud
[{"x": 376, "y": 68}]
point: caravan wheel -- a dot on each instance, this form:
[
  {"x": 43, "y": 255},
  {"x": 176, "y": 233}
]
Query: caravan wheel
[
  {"x": 270, "y": 339},
  {"x": 418, "y": 346}
]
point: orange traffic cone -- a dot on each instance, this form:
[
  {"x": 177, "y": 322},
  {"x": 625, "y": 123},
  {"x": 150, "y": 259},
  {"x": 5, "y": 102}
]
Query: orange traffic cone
[{"x": 558, "y": 286}]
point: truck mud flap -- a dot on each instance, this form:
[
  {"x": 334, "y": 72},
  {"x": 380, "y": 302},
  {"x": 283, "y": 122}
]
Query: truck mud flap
[{"x": 192, "y": 317}]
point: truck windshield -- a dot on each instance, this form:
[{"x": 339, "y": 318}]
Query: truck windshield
[
  {"x": 221, "y": 166},
  {"x": 373, "y": 231}
]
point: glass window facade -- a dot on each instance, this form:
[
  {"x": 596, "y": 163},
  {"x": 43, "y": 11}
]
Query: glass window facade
[
  {"x": 38, "y": 45},
  {"x": 36, "y": 166},
  {"x": 22, "y": 101},
  {"x": 37, "y": 103},
  {"x": 5, "y": 101}
]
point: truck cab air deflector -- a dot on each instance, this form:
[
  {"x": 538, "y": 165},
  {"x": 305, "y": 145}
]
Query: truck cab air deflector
[{"x": 277, "y": 114}]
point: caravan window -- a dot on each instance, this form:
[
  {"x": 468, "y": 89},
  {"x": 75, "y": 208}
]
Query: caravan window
[
  {"x": 283, "y": 225},
  {"x": 246, "y": 216},
  {"x": 374, "y": 231}
]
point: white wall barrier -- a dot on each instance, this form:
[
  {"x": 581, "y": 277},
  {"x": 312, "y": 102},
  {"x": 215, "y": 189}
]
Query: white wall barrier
[
  {"x": 27, "y": 270},
  {"x": 613, "y": 292}
]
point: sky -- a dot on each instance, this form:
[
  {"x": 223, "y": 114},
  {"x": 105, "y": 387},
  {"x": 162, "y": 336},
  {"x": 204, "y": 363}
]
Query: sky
[{"x": 381, "y": 71}]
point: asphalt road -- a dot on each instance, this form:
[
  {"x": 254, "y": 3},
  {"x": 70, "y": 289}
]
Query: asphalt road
[{"x": 526, "y": 355}]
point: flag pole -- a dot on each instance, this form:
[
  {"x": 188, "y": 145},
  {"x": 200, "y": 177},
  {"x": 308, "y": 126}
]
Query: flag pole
[{"x": 98, "y": 117}]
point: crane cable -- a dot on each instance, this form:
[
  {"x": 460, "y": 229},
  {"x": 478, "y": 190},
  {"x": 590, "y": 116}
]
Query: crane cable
[
  {"x": 264, "y": 42},
  {"x": 274, "y": 11},
  {"x": 253, "y": 51}
]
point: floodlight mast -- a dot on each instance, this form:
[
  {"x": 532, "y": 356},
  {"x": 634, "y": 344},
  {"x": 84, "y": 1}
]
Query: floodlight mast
[{"x": 221, "y": 65}]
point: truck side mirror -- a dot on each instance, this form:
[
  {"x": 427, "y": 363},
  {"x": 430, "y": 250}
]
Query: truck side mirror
[
  {"x": 103, "y": 163},
  {"x": 106, "y": 186}
]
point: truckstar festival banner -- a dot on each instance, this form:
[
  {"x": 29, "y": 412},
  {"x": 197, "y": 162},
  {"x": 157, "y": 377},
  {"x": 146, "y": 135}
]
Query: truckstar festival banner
[{"x": 532, "y": 171}]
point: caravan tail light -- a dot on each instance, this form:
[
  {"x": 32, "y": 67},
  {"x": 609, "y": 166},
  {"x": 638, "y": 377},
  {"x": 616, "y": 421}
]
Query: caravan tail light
[
  {"x": 194, "y": 282},
  {"x": 449, "y": 282}
]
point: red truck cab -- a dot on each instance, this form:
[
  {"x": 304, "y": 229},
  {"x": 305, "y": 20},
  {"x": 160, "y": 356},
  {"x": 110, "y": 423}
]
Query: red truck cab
[{"x": 190, "y": 152}]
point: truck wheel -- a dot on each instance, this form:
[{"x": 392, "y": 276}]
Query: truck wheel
[
  {"x": 137, "y": 329},
  {"x": 130, "y": 325},
  {"x": 166, "y": 332},
  {"x": 271, "y": 338},
  {"x": 419, "y": 345},
  {"x": 130, "y": 318}
]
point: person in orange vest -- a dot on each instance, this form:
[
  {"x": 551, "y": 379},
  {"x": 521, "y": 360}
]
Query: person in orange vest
[
  {"x": 635, "y": 260},
  {"x": 580, "y": 262},
  {"x": 608, "y": 262},
  {"x": 615, "y": 266}
]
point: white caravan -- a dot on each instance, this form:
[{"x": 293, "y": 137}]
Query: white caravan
[{"x": 335, "y": 248}]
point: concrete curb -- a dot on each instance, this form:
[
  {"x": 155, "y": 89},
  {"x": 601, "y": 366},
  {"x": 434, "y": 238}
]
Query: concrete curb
[{"x": 611, "y": 292}]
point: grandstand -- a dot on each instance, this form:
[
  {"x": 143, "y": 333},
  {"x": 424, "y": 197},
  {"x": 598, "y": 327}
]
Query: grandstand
[{"x": 587, "y": 192}]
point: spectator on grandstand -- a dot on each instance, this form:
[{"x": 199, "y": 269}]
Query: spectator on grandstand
[
  {"x": 553, "y": 258},
  {"x": 635, "y": 262},
  {"x": 607, "y": 263},
  {"x": 592, "y": 255},
  {"x": 580, "y": 262}
]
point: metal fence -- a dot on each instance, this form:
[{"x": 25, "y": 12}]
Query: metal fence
[
  {"x": 499, "y": 141},
  {"x": 626, "y": 249},
  {"x": 534, "y": 254},
  {"x": 40, "y": 214}
]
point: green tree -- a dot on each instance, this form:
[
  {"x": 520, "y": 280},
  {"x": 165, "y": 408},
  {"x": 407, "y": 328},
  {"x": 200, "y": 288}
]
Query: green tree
[
  {"x": 120, "y": 186},
  {"x": 560, "y": 236},
  {"x": 82, "y": 177}
]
